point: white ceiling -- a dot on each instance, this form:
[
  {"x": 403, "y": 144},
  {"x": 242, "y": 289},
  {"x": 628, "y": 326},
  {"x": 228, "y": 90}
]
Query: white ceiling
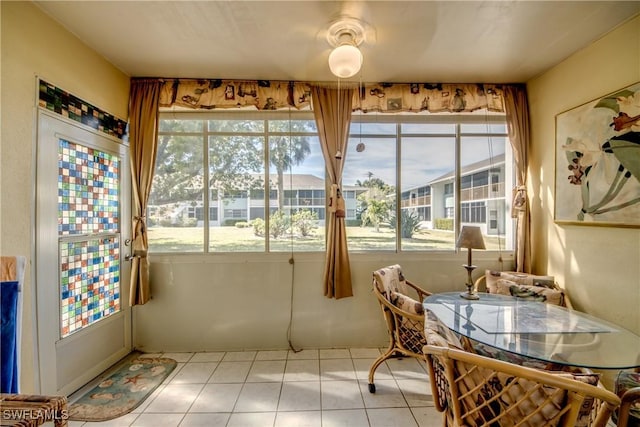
[{"x": 406, "y": 41}]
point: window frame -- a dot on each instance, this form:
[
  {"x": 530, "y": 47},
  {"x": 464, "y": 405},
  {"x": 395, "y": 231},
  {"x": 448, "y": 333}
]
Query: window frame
[{"x": 458, "y": 120}]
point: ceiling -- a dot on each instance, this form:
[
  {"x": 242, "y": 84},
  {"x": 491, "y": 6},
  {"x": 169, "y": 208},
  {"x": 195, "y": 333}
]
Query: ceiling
[{"x": 405, "y": 41}]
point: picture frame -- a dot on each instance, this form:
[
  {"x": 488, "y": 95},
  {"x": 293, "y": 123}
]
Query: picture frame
[{"x": 597, "y": 161}]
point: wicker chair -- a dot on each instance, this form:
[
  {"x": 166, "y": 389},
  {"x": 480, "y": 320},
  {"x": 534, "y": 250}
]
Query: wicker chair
[
  {"x": 481, "y": 283},
  {"x": 473, "y": 390},
  {"x": 630, "y": 398},
  {"x": 403, "y": 315}
]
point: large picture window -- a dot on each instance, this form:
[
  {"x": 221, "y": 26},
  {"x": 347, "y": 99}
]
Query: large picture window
[{"x": 409, "y": 181}]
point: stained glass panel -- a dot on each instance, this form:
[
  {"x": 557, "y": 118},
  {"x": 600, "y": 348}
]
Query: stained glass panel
[
  {"x": 89, "y": 282},
  {"x": 88, "y": 190}
]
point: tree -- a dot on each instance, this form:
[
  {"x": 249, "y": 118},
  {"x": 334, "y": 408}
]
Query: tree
[
  {"x": 233, "y": 160},
  {"x": 376, "y": 203},
  {"x": 286, "y": 152}
]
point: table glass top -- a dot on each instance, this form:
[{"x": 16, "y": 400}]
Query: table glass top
[{"x": 538, "y": 330}]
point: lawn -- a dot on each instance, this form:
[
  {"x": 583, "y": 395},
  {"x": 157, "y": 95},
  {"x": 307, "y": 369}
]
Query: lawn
[{"x": 233, "y": 239}]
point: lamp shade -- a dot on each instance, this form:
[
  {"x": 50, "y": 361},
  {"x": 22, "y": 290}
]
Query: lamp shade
[
  {"x": 345, "y": 61},
  {"x": 470, "y": 237}
]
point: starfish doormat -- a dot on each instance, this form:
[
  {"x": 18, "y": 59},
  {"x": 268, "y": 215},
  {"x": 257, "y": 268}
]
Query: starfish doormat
[{"x": 123, "y": 390}]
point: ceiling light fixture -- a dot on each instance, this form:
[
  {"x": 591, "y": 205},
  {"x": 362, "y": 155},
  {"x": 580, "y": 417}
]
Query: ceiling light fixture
[{"x": 345, "y": 35}]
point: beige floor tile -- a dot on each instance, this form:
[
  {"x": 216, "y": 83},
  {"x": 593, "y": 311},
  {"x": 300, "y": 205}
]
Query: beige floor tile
[
  {"x": 255, "y": 419},
  {"x": 239, "y": 356},
  {"x": 175, "y": 398},
  {"x": 272, "y": 355},
  {"x": 341, "y": 395},
  {"x": 303, "y": 354},
  {"x": 205, "y": 420},
  {"x": 258, "y": 397},
  {"x": 302, "y": 370},
  {"x": 391, "y": 417},
  {"x": 208, "y": 356},
  {"x": 334, "y": 353},
  {"x": 299, "y": 419},
  {"x": 345, "y": 417},
  {"x": 300, "y": 396},
  {"x": 194, "y": 373},
  {"x": 387, "y": 395},
  {"x": 217, "y": 398},
  {"x": 427, "y": 416},
  {"x": 267, "y": 371},
  {"x": 337, "y": 369},
  {"x": 158, "y": 420},
  {"x": 230, "y": 372},
  {"x": 364, "y": 353}
]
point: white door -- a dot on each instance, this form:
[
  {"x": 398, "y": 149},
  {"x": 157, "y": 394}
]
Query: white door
[{"x": 82, "y": 230}]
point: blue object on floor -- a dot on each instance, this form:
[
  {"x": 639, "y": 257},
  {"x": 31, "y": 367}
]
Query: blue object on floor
[{"x": 8, "y": 344}]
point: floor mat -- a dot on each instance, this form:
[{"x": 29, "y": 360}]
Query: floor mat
[{"x": 122, "y": 391}]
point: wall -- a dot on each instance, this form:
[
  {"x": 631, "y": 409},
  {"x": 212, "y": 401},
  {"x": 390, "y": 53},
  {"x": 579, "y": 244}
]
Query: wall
[
  {"x": 34, "y": 45},
  {"x": 600, "y": 266},
  {"x": 236, "y": 302}
]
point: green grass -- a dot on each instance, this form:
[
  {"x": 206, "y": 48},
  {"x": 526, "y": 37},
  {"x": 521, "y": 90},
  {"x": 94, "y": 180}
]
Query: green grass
[{"x": 233, "y": 239}]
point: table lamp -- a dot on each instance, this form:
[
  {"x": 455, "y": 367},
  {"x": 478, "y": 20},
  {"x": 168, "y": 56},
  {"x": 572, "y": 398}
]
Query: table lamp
[{"x": 471, "y": 238}]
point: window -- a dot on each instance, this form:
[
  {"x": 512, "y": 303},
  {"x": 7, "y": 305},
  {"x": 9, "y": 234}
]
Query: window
[{"x": 265, "y": 176}]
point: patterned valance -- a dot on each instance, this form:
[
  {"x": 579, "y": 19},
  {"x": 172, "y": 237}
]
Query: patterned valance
[
  {"x": 214, "y": 93},
  {"x": 370, "y": 97},
  {"x": 432, "y": 97}
]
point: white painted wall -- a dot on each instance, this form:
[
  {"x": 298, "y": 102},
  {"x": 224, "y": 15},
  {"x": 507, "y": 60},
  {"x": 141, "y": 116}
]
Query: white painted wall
[
  {"x": 600, "y": 266},
  {"x": 235, "y": 302},
  {"x": 34, "y": 45}
]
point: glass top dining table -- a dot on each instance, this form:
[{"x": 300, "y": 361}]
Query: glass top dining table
[{"x": 541, "y": 331}]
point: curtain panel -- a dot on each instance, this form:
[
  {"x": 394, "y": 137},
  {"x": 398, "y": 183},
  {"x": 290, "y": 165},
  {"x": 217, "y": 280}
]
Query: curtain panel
[
  {"x": 517, "y": 111},
  {"x": 332, "y": 110},
  {"x": 143, "y": 140}
]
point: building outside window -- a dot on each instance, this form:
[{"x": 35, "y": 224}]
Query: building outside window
[{"x": 254, "y": 157}]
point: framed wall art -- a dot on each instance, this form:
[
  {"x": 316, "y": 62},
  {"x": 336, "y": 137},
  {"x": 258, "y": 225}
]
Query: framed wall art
[{"x": 597, "y": 179}]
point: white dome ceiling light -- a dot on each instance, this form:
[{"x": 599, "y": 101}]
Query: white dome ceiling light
[{"x": 345, "y": 35}]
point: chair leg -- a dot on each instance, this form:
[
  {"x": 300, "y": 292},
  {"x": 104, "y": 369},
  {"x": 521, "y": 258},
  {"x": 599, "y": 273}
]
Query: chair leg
[{"x": 387, "y": 354}]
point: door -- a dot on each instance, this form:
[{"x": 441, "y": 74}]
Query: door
[{"x": 82, "y": 228}]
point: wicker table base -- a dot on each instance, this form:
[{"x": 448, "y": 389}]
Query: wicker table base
[{"x": 25, "y": 410}]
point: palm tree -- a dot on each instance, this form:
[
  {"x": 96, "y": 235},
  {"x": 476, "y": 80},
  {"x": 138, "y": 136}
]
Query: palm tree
[{"x": 285, "y": 154}]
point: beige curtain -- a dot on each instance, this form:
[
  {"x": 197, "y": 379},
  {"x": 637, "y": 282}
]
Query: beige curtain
[
  {"x": 517, "y": 111},
  {"x": 143, "y": 130},
  {"x": 332, "y": 111}
]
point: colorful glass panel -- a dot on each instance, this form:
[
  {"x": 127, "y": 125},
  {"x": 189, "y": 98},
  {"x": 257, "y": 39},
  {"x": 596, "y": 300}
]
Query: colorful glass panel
[
  {"x": 89, "y": 282},
  {"x": 88, "y": 190}
]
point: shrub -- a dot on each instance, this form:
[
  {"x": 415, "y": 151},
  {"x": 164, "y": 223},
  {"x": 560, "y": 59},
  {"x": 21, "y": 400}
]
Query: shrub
[
  {"x": 304, "y": 221},
  {"x": 242, "y": 224},
  {"x": 258, "y": 227},
  {"x": 443, "y": 224},
  {"x": 278, "y": 224},
  {"x": 409, "y": 223}
]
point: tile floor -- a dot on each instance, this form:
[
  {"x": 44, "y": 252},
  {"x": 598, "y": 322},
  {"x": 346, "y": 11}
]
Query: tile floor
[{"x": 314, "y": 388}]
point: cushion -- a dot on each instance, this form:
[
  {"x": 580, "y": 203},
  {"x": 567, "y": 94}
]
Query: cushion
[
  {"x": 520, "y": 278},
  {"x": 438, "y": 334},
  {"x": 390, "y": 279},
  {"x": 406, "y": 303},
  {"x": 534, "y": 293},
  {"x": 625, "y": 381},
  {"x": 410, "y": 331}
]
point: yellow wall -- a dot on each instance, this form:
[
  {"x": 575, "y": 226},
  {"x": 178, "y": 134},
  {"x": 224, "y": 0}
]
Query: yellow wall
[
  {"x": 600, "y": 266},
  {"x": 33, "y": 46}
]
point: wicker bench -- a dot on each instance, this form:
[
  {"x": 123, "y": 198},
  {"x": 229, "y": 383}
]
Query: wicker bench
[{"x": 26, "y": 410}]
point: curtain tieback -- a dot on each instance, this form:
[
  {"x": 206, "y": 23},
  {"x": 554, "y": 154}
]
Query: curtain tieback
[
  {"x": 139, "y": 221},
  {"x": 519, "y": 201},
  {"x": 336, "y": 202}
]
